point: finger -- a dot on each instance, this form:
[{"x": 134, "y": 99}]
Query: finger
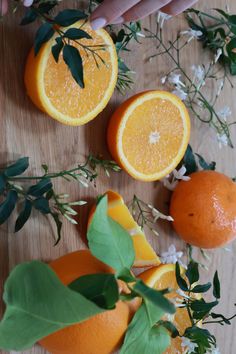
[
  {"x": 143, "y": 9},
  {"x": 178, "y": 6},
  {"x": 110, "y": 10},
  {"x": 3, "y": 7}
]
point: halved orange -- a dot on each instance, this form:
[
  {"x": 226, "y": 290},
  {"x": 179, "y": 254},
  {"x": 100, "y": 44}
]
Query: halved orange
[
  {"x": 52, "y": 88},
  {"x": 163, "y": 277},
  {"x": 144, "y": 254},
  {"x": 148, "y": 134}
]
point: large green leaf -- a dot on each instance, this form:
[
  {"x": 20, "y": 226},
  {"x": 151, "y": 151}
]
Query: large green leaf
[
  {"x": 19, "y": 167},
  {"x": 69, "y": 16},
  {"x": 109, "y": 241},
  {"x": 38, "y": 304},
  {"x": 74, "y": 61}
]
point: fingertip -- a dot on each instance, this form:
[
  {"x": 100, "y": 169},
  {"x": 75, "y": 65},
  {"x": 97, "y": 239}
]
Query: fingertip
[{"x": 98, "y": 23}]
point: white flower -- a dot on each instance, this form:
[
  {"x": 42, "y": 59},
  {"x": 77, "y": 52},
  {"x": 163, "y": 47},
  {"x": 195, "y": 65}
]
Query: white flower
[
  {"x": 158, "y": 215},
  {"x": 176, "y": 175},
  {"x": 163, "y": 80},
  {"x": 140, "y": 34},
  {"x": 180, "y": 93},
  {"x": 171, "y": 256},
  {"x": 180, "y": 174},
  {"x": 218, "y": 54},
  {"x": 222, "y": 140},
  {"x": 199, "y": 75},
  {"x": 188, "y": 345},
  {"x": 215, "y": 351},
  {"x": 192, "y": 34},
  {"x": 175, "y": 79},
  {"x": 162, "y": 17},
  {"x": 182, "y": 294},
  {"x": 224, "y": 113}
]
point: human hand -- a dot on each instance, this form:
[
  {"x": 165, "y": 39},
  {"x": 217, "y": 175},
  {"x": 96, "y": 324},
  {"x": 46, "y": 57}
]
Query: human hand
[{"x": 119, "y": 11}]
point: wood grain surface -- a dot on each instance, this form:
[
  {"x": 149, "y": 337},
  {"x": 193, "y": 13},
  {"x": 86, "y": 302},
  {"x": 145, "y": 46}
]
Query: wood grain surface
[{"x": 25, "y": 131}]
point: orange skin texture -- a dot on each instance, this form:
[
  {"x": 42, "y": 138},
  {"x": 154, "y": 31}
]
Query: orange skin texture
[
  {"x": 102, "y": 333},
  {"x": 204, "y": 209}
]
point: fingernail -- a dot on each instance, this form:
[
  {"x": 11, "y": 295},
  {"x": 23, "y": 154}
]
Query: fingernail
[
  {"x": 118, "y": 20},
  {"x": 98, "y": 23}
]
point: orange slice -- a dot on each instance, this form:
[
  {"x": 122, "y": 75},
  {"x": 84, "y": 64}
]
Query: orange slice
[
  {"x": 52, "y": 88},
  {"x": 148, "y": 134},
  {"x": 144, "y": 254},
  {"x": 160, "y": 278}
]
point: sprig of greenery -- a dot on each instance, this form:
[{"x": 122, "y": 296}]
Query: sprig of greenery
[
  {"x": 15, "y": 189},
  {"x": 107, "y": 166}
]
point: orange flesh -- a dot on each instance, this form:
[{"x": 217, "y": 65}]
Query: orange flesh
[
  {"x": 146, "y": 119},
  {"x": 65, "y": 94}
]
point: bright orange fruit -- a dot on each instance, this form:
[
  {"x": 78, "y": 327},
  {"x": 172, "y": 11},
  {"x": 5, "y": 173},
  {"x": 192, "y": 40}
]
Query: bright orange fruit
[
  {"x": 204, "y": 209},
  {"x": 52, "y": 88},
  {"x": 148, "y": 134},
  {"x": 145, "y": 256},
  {"x": 103, "y": 333}
]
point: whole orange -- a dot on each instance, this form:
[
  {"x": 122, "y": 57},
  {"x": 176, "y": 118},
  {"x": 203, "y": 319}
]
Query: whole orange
[
  {"x": 204, "y": 209},
  {"x": 103, "y": 333}
]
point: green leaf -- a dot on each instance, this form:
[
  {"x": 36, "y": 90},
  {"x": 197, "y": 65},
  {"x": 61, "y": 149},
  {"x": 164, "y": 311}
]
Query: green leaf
[
  {"x": 233, "y": 68},
  {"x": 204, "y": 339},
  {"x": 170, "y": 327},
  {"x": 180, "y": 281},
  {"x": 76, "y": 33},
  {"x": 7, "y": 207},
  {"x": 24, "y": 215},
  {"x": 204, "y": 165},
  {"x": 231, "y": 49},
  {"x": 202, "y": 305},
  {"x": 192, "y": 272},
  {"x": 57, "y": 48},
  {"x": 30, "y": 16},
  {"x": 220, "y": 316},
  {"x": 2, "y": 183},
  {"x": 232, "y": 23},
  {"x": 44, "y": 33},
  {"x": 154, "y": 296},
  {"x": 142, "y": 337},
  {"x": 216, "y": 286},
  {"x": 69, "y": 17},
  {"x": 73, "y": 60},
  {"x": 16, "y": 169},
  {"x": 42, "y": 204},
  {"x": 201, "y": 288},
  {"x": 106, "y": 234},
  {"x": 189, "y": 161},
  {"x": 126, "y": 276},
  {"x": 102, "y": 289},
  {"x": 43, "y": 186},
  {"x": 58, "y": 223},
  {"x": 223, "y": 13},
  {"x": 38, "y": 304}
]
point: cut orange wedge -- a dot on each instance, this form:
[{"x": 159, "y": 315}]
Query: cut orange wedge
[
  {"x": 149, "y": 134},
  {"x": 163, "y": 277},
  {"x": 52, "y": 88},
  {"x": 144, "y": 254}
]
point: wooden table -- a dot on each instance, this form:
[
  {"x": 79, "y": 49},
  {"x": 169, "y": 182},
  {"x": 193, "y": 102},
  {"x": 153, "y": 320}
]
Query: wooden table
[{"x": 25, "y": 131}]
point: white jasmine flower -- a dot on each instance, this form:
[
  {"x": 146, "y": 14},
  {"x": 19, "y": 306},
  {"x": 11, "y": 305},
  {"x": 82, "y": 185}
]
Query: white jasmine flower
[
  {"x": 192, "y": 34},
  {"x": 182, "y": 294},
  {"x": 188, "y": 345},
  {"x": 224, "y": 113},
  {"x": 171, "y": 256},
  {"x": 218, "y": 54},
  {"x": 162, "y": 17},
  {"x": 180, "y": 174},
  {"x": 174, "y": 79},
  {"x": 180, "y": 93},
  {"x": 170, "y": 185},
  {"x": 177, "y": 175},
  {"x": 222, "y": 140},
  {"x": 158, "y": 215}
]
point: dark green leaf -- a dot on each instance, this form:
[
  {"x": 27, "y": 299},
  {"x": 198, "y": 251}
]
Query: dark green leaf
[
  {"x": 201, "y": 305},
  {"x": 42, "y": 204},
  {"x": 170, "y": 327},
  {"x": 30, "y": 16},
  {"x": 43, "y": 186},
  {"x": 24, "y": 215},
  {"x": 58, "y": 223},
  {"x": 154, "y": 296},
  {"x": 102, "y": 289},
  {"x": 192, "y": 272},
  {"x": 232, "y": 22},
  {"x": 49, "y": 194},
  {"x": 46, "y": 6},
  {"x": 204, "y": 165},
  {"x": 189, "y": 161},
  {"x": 106, "y": 234},
  {"x": 2, "y": 183},
  {"x": 7, "y": 207},
  {"x": 16, "y": 169},
  {"x": 180, "y": 281},
  {"x": 216, "y": 286},
  {"x": 38, "y": 304},
  {"x": 126, "y": 276},
  {"x": 201, "y": 288},
  {"x": 233, "y": 68},
  {"x": 220, "y": 316},
  {"x": 202, "y": 337},
  {"x": 231, "y": 49},
  {"x": 45, "y": 168},
  {"x": 76, "y": 33},
  {"x": 57, "y": 48},
  {"x": 69, "y": 17},
  {"x": 44, "y": 33},
  {"x": 74, "y": 62}
]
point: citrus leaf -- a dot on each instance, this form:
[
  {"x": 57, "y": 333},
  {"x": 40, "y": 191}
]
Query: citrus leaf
[
  {"x": 216, "y": 286},
  {"x": 43, "y": 186},
  {"x": 106, "y": 234},
  {"x": 204, "y": 165},
  {"x": 202, "y": 305},
  {"x": 57, "y": 48},
  {"x": 2, "y": 183},
  {"x": 24, "y": 215},
  {"x": 201, "y": 288},
  {"x": 30, "y": 16},
  {"x": 192, "y": 272},
  {"x": 180, "y": 281},
  {"x": 7, "y": 207},
  {"x": 68, "y": 17},
  {"x": 44, "y": 33},
  {"x": 73, "y": 60},
  {"x": 170, "y": 327},
  {"x": 76, "y": 33},
  {"x": 102, "y": 289},
  {"x": 42, "y": 204},
  {"x": 58, "y": 223},
  {"x": 16, "y": 169},
  {"x": 189, "y": 161},
  {"x": 38, "y": 304}
]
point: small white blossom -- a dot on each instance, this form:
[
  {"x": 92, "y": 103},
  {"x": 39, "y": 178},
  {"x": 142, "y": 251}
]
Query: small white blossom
[
  {"x": 191, "y": 34},
  {"x": 215, "y": 351},
  {"x": 180, "y": 93},
  {"x": 218, "y": 54},
  {"x": 140, "y": 34},
  {"x": 171, "y": 256},
  {"x": 182, "y": 294},
  {"x": 199, "y": 75},
  {"x": 158, "y": 215},
  {"x": 163, "y": 80},
  {"x": 162, "y": 17},
  {"x": 224, "y": 113},
  {"x": 188, "y": 345},
  {"x": 176, "y": 175},
  {"x": 180, "y": 174},
  {"x": 222, "y": 140},
  {"x": 174, "y": 79}
]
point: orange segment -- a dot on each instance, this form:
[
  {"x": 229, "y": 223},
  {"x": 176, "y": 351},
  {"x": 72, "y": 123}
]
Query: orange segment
[
  {"x": 53, "y": 90},
  {"x": 148, "y": 134},
  {"x": 160, "y": 278},
  {"x": 118, "y": 211}
]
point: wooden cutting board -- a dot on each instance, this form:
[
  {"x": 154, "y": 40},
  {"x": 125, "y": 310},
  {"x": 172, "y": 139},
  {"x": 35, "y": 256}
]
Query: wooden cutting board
[{"x": 25, "y": 131}]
